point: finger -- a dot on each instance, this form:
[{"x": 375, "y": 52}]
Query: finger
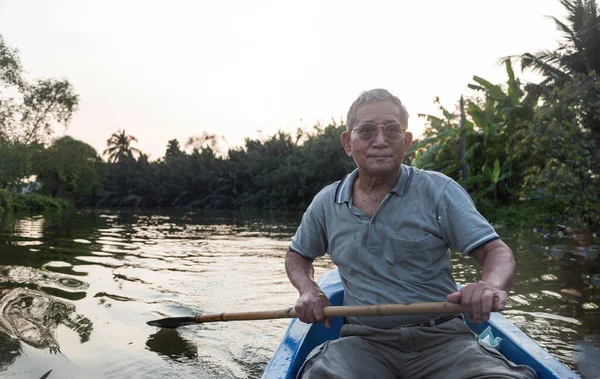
[
  {"x": 327, "y": 323},
  {"x": 454, "y": 297},
  {"x": 305, "y": 312},
  {"x": 476, "y": 304},
  {"x": 301, "y": 314},
  {"x": 318, "y": 314},
  {"x": 487, "y": 304},
  {"x": 467, "y": 296},
  {"x": 501, "y": 297},
  {"x": 308, "y": 317}
]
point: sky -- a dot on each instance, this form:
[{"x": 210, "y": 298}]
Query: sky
[{"x": 174, "y": 69}]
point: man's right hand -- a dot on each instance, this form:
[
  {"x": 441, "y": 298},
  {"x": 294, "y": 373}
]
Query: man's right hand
[{"x": 309, "y": 307}]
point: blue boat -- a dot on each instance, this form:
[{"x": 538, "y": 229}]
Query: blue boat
[{"x": 301, "y": 338}]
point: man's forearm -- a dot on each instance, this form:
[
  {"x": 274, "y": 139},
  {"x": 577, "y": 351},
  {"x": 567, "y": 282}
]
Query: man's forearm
[
  {"x": 499, "y": 267},
  {"x": 498, "y": 271},
  {"x": 300, "y": 271}
]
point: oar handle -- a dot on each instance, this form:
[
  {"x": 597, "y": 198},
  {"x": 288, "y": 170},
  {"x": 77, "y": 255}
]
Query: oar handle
[{"x": 342, "y": 311}]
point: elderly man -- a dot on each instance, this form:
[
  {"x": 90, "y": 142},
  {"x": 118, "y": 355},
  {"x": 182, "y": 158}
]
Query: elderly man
[{"x": 388, "y": 227}]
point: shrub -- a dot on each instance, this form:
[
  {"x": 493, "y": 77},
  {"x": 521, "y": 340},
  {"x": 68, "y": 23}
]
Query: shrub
[
  {"x": 35, "y": 202},
  {"x": 6, "y": 200}
]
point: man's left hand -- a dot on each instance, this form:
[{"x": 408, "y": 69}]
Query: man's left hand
[{"x": 481, "y": 299}]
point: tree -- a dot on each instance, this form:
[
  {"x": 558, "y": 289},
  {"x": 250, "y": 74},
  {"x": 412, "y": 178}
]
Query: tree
[
  {"x": 173, "y": 149},
  {"x": 491, "y": 134},
  {"x": 579, "y": 51},
  {"x": 17, "y": 162},
  {"x": 30, "y": 110},
  {"x": 45, "y": 103},
  {"x": 119, "y": 148},
  {"x": 557, "y": 153},
  {"x": 70, "y": 169},
  {"x": 10, "y": 66},
  {"x": 576, "y": 58},
  {"x": 205, "y": 140}
]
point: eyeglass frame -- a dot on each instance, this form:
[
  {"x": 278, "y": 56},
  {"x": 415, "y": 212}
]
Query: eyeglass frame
[{"x": 385, "y": 132}]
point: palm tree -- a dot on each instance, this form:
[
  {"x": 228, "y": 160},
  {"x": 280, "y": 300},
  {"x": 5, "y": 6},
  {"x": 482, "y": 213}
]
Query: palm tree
[
  {"x": 579, "y": 51},
  {"x": 119, "y": 148},
  {"x": 577, "y": 60},
  {"x": 173, "y": 149}
]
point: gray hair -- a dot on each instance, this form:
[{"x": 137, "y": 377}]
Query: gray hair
[{"x": 377, "y": 94}]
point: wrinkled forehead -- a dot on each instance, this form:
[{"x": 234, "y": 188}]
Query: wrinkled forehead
[{"x": 379, "y": 112}]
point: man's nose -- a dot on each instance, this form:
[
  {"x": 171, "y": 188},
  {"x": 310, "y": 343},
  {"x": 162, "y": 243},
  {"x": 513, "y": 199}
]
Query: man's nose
[{"x": 379, "y": 138}]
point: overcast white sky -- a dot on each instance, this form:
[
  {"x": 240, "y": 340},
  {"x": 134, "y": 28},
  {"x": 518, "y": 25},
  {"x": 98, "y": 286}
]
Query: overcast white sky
[{"x": 173, "y": 69}]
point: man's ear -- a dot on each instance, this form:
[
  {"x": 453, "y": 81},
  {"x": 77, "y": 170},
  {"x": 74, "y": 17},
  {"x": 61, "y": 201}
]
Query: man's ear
[
  {"x": 408, "y": 137},
  {"x": 346, "y": 142}
]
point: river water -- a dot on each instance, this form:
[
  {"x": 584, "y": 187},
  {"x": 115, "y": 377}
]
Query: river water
[{"x": 77, "y": 288}]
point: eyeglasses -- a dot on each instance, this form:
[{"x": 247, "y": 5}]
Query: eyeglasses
[{"x": 368, "y": 130}]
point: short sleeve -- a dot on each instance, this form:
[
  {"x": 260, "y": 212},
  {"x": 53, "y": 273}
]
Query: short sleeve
[
  {"x": 462, "y": 226},
  {"x": 310, "y": 239}
]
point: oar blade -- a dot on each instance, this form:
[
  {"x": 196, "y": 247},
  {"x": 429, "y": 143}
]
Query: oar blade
[{"x": 173, "y": 322}]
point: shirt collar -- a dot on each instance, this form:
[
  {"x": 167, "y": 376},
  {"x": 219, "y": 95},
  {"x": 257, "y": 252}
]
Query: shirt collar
[{"x": 343, "y": 194}]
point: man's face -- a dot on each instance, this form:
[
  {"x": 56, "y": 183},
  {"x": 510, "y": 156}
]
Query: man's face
[{"x": 379, "y": 155}]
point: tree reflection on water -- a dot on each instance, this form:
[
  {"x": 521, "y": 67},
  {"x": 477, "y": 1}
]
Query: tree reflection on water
[
  {"x": 33, "y": 316},
  {"x": 577, "y": 263},
  {"x": 10, "y": 349}
]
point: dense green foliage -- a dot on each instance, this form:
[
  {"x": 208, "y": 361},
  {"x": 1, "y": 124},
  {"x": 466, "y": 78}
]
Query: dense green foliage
[
  {"x": 492, "y": 134},
  {"x": 30, "y": 202},
  {"x": 29, "y": 110},
  {"x": 35, "y": 202},
  {"x": 70, "y": 169},
  {"x": 534, "y": 145},
  {"x": 17, "y": 162},
  {"x": 521, "y": 146},
  {"x": 577, "y": 56},
  {"x": 6, "y": 200},
  {"x": 514, "y": 145},
  {"x": 277, "y": 173}
]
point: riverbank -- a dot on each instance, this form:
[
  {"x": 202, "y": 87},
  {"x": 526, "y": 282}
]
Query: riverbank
[
  {"x": 31, "y": 202},
  {"x": 543, "y": 214}
]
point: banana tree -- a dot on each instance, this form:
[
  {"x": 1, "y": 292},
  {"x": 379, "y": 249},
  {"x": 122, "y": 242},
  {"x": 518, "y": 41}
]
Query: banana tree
[
  {"x": 438, "y": 149},
  {"x": 490, "y": 177},
  {"x": 491, "y": 130},
  {"x": 506, "y": 110}
]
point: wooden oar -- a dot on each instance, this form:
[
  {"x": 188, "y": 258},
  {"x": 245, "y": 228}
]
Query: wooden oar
[{"x": 332, "y": 311}]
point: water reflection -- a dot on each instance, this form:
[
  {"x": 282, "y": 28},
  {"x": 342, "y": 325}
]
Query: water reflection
[
  {"x": 33, "y": 317},
  {"x": 10, "y": 349},
  {"x": 576, "y": 261},
  {"x": 30, "y": 228},
  {"x": 56, "y": 284},
  {"x": 169, "y": 343},
  {"x": 569, "y": 268}
]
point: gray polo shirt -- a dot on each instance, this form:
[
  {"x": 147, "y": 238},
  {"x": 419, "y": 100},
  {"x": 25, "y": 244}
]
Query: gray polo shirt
[{"x": 401, "y": 254}]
